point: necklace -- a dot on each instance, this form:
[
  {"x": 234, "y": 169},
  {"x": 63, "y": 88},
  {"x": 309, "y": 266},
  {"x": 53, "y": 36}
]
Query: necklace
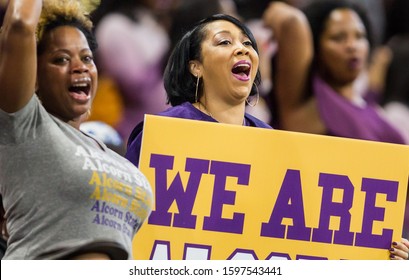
[{"x": 204, "y": 110}]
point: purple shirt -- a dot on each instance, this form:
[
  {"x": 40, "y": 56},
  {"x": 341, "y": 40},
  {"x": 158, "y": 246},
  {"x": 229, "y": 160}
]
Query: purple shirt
[
  {"x": 345, "y": 119},
  {"x": 183, "y": 111}
]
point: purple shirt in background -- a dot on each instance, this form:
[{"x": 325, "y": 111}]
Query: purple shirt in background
[
  {"x": 345, "y": 119},
  {"x": 131, "y": 53},
  {"x": 183, "y": 111}
]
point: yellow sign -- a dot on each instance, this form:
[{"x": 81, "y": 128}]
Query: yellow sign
[{"x": 232, "y": 192}]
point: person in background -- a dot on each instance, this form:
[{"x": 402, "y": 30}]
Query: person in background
[
  {"x": 395, "y": 98},
  {"x": 210, "y": 76},
  {"x": 57, "y": 183},
  {"x": 106, "y": 133},
  {"x": 186, "y": 14},
  {"x": 133, "y": 46},
  {"x": 321, "y": 54}
]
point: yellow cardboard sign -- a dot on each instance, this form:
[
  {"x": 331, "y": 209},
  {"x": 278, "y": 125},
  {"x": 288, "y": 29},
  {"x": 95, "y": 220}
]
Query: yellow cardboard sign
[{"x": 232, "y": 192}]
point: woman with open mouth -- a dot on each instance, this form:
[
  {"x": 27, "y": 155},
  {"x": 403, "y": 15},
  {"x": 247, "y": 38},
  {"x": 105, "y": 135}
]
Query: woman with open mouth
[
  {"x": 65, "y": 194},
  {"x": 211, "y": 75}
]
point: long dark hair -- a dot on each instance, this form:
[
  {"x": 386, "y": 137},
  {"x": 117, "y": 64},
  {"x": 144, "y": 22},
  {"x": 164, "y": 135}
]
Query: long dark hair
[{"x": 180, "y": 84}]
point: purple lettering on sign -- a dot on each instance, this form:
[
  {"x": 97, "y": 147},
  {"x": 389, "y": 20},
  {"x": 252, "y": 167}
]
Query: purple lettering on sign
[
  {"x": 197, "y": 252},
  {"x": 289, "y": 204},
  {"x": 165, "y": 196},
  {"x": 160, "y": 250},
  {"x": 304, "y": 257},
  {"x": 221, "y": 196},
  {"x": 330, "y": 182},
  {"x": 278, "y": 256},
  {"x": 372, "y": 213},
  {"x": 243, "y": 254}
]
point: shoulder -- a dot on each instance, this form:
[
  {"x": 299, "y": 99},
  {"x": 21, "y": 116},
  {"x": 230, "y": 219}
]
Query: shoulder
[
  {"x": 255, "y": 122},
  {"x": 135, "y": 132},
  {"x": 25, "y": 123},
  {"x": 184, "y": 111}
]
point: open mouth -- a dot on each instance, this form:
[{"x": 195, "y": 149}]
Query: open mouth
[
  {"x": 354, "y": 63},
  {"x": 80, "y": 89},
  {"x": 241, "y": 70}
]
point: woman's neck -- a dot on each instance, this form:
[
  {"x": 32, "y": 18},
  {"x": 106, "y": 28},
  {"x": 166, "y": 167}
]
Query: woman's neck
[
  {"x": 343, "y": 88},
  {"x": 223, "y": 113},
  {"x": 346, "y": 91}
]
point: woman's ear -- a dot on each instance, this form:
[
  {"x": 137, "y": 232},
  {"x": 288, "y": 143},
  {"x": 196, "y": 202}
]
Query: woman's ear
[{"x": 195, "y": 68}]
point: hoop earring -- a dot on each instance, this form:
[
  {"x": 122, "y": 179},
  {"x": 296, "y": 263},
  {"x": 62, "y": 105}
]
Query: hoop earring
[
  {"x": 258, "y": 97},
  {"x": 87, "y": 114},
  {"x": 197, "y": 89}
]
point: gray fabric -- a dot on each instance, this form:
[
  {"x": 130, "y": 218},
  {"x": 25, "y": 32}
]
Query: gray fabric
[{"x": 62, "y": 192}]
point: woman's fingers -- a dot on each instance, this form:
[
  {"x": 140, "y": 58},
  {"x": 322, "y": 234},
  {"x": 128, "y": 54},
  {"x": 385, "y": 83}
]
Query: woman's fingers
[{"x": 400, "y": 250}]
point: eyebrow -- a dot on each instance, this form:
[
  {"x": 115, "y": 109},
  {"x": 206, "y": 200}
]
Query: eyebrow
[
  {"x": 69, "y": 52},
  {"x": 223, "y": 31},
  {"x": 228, "y": 32}
]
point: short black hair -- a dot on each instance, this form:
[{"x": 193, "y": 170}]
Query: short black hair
[{"x": 180, "y": 84}]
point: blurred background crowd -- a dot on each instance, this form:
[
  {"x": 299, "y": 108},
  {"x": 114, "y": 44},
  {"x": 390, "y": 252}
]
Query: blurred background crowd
[{"x": 135, "y": 38}]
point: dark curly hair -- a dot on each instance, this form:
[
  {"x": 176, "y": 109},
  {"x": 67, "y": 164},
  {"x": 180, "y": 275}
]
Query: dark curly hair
[{"x": 64, "y": 12}]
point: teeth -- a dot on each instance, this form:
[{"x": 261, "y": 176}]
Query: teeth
[
  {"x": 82, "y": 80},
  {"x": 80, "y": 85},
  {"x": 246, "y": 66}
]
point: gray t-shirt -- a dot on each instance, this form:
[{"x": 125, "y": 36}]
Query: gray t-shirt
[{"x": 63, "y": 193}]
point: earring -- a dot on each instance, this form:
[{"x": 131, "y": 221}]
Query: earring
[
  {"x": 257, "y": 98},
  {"x": 88, "y": 114},
  {"x": 197, "y": 88}
]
